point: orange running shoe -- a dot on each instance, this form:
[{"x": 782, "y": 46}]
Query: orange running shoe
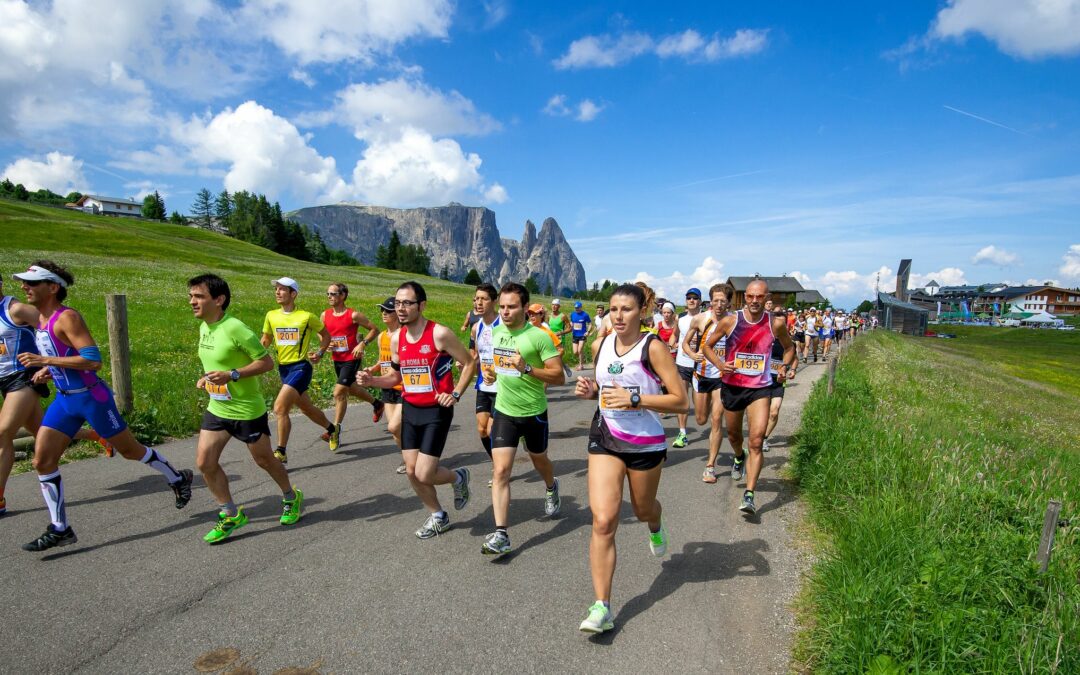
[{"x": 96, "y": 437}]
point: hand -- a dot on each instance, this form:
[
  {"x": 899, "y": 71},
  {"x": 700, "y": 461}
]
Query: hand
[
  {"x": 201, "y": 384},
  {"x": 698, "y": 357},
  {"x": 218, "y": 377},
  {"x": 488, "y": 373},
  {"x": 446, "y": 400},
  {"x": 789, "y": 373},
  {"x": 518, "y": 362},
  {"x": 726, "y": 368},
  {"x": 30, "y": 360},
  {"x": 585, "y": 388},
  {"x": 42, "y": 376},
  {"x": 616, "y": 397},
  {"x": 358, "y": 351},
  {"x": 315, "y": 356},
  {"x": 363, "y": 378}
]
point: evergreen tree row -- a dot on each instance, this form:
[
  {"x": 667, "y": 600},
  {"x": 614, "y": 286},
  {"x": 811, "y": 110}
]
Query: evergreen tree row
[
  {"x": 43, "y": 196},
  {"x": 404, "y": 257}
]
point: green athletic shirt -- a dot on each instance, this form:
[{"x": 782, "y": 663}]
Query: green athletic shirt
[
  {"x": 520, "y": 395},
  {"x": 293, "y": 333},
  {"x": 228, "y": 345},
  {"x": 557, "y": 323}
]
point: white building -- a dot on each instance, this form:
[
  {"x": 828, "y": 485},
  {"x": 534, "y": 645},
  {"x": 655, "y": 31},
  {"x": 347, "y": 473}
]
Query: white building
[{"x": 108, "y": 206}]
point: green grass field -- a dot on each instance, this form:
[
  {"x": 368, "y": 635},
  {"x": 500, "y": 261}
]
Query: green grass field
[
  {"x": 151, "y": 263},
  {"x": 928, "y": 473}
]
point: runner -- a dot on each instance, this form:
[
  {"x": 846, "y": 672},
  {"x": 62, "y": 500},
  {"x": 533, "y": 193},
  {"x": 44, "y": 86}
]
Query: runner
[
  {"x": 484, "y": 307},
  {"x": 292, "y": 331},
  {"x": 626, "y": 442},
  {"x": 827, "y": 333},
  {"x": 557, "y": 321},
  {"x": 232, "y": 359},
  {"x": 422, "y": 354},
  {"x": 525, "y": 361},
  {"x": 813, "y": 327},
  {"x": 581, "y": 326},
  {"x": 668, "y": 328},
  {"x": 683, "y": 361},
  {"x": 776, "y": 391},
  {"x": 799, "y": 336},
  {"x": 747, "y": 378},
  {"x": 22, "y": 398},
  {"x": 391, "y": 397},
  {"x": 708, "y": 406},
  {"x": 347, "y": 353},
  {"x": 538, "y": 317},
  {"x": 65, "y": 346}
]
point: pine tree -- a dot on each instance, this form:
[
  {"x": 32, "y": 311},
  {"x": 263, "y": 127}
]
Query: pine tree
[
  {"x": 223, "y": 210},
  {"x": 202, "y": 209},
  {"x": 472, "y": 278},
  {"x": 532, "y": 285},
  {"x": 445, "y": 273}
]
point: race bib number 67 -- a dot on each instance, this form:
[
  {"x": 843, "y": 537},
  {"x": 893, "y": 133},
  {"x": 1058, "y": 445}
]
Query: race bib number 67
[{"x": 416, "y": 379}]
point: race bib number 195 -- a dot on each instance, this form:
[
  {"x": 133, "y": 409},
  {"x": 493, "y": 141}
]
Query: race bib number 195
[{"x": 749, "y": 364}]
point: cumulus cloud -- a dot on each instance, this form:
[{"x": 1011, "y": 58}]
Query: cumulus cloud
[
  {"x": 673, "y": 287},
  {"x": 58, "y": 172},
  {"x": 803, "y": 279},
  {"x": 585, "y": 110},
  {"x": 1070, "y": 263},
  {"x": 946, "y": 276},
  {"x": 1029, "y": 29},
  {"x": 608, "y": 51},
  {"x": 345, "y": 30},
  {"x": 992, "y": 255},
  {"x": 556, "y": 106}
]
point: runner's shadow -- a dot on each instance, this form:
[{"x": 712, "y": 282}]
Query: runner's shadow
[
  {"x": 374, "y": 507},
  {"x": 699, "y": 562},
  {"x": 785, "y": 493},
  {"x": 148, "y": 484}
]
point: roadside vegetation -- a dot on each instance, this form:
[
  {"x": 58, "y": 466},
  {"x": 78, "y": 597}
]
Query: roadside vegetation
[{"x": 928, "y": 473}]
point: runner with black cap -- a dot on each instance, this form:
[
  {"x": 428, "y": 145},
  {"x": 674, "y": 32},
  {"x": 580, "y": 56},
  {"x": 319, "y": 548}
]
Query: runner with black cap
[{"x": 391, "y": 396}]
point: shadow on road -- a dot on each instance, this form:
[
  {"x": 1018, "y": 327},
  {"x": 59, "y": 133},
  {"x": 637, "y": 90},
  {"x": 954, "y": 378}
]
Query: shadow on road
[{"x": 699, "y": 562}]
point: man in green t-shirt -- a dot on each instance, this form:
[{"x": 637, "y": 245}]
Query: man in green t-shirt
[
  {"x": 232, "y": 359},
  {"x": 526, "y": 361}
]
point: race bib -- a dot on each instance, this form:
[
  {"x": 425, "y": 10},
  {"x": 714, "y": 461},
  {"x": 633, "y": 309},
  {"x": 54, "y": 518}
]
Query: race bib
[
  {"x": 288, "y": 336},
  {"x": 3, "y": 348},
  {"x": 774, "y": 366},
  {"x": 504, "y": 362},
  {"x": 578, "y": 325},
  {"x": 218, "y": 392},
  {"x": 385, "y": 367},
  {"x": 749, "y": 364},
  {"x": 339, "y": 344},
  {"x": 416, "y": 379},
  {"x": 615, "y": 413}
]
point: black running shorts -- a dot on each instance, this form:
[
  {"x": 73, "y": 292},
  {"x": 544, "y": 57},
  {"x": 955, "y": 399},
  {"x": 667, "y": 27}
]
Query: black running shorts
[
  {"x": 485, "y": 402},
  {"x": 247, "y": 431},
  {"x": 686, "y": 373},
  {"x": 425, "y": 429},
  {"x": 737, "y": 399},
  {"x": 21, "y": 380},
  {"x": 346, "y": 372},
  {"x": 533, "y": 429},
  {"x": 392, "y": 396}
]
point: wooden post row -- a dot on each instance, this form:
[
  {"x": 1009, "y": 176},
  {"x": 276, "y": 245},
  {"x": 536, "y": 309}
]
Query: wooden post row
[
  {"x": 1046, "y": 543},
  {"x": 832, "y": 374},
  {"x": 119, "y": 351}
]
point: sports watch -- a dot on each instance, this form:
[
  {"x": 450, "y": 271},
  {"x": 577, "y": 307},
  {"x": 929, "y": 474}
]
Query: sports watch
[
  {"x": 635, "y": 400},
  {"x": 528, "y": 369},
  {"x": 235, "y": 375},
  {"x": 457, "y": 396}
]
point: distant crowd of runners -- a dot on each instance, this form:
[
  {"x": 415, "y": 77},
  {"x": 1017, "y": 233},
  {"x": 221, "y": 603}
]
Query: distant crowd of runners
[{"x": 647, "y": 361}]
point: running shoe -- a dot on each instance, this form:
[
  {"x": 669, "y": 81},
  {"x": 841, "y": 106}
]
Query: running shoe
[
  {"x": 680, "y": 441},
  {"x": 552, "y": 501},
  {"x": 461, "y": 489},
  {"x": 182, "y": 488},
  {"x": 599, "y": 619},
  {"x": 283, "y": 457},
  {"x": 747, "y": 506},
  {"x": 765, "y": 445},
  {"x": 401, "y": 469},
  {"x": 658, "y": 540},
  {"x": 334, "y": 438},
  {"x": 709, "y": 475},
  {"x": 52, "y": 537},
  {"x": 325, "y": 436},
  {"x": 433, "y": 527},
  {"x": 377, "y": 410},
  {"x": 3, "y": 505},
  {"x": 496, "y": 543},
  {"x": 107, "y": 446},
  {"x": 291, "y": 508},
  {"x": 738, "y": 469},
  {"x": 226, "y": 525}
]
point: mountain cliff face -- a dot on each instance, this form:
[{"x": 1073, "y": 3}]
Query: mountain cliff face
[{"x": 456, "y": 237}]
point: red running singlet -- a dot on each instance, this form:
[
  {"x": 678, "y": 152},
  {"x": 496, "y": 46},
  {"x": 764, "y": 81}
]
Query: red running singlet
[
  {"x": 342, "y": 334},
  {"x": 426, "y": 372}
]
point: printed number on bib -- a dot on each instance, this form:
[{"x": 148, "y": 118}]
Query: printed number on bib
[
  {"x": 218, "y": 392},
  {"x": 385, "y": 368},
  {"x": 339, "y": 343},
  {"x": 775, "y": 366},
  {"x": 288, "y": 336},
  {"x": 578, "y": 325},
  {"x": 503, "y": 362},
  {"x": 612, "y": 412},
  {"x": 749, "y": 364},
  {"x": 3, "y": 348},
  {"x": 416, "y": 379}
]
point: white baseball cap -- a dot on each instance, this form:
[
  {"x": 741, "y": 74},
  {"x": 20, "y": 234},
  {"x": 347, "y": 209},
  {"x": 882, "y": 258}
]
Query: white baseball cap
[
  {"x": 555, "y": 301},
  {"x": 287, "y": 282},
  {"x": 36, "y": 273}
]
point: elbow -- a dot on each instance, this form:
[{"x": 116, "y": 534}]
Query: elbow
[{"x": 94, "y": 366}]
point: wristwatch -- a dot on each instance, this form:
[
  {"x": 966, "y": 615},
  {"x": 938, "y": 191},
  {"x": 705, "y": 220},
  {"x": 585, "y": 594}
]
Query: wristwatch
[
  {"x": 235, "y": 375},
  {"x": 457, "y": 396},
  {"x": 635, "y": 400},
  {"x": 528, "y": 369}
]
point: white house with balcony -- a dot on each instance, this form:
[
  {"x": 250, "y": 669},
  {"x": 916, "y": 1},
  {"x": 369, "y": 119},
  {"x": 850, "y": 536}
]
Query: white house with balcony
[{"x": 108, "y": 206}]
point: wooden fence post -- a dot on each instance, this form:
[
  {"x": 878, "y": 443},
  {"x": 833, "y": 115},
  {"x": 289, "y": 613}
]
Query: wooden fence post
[
  {"x": 1046, "y": 544},
  {"x": 832, "y": 374},
  {"x": 119, "y": 351}
]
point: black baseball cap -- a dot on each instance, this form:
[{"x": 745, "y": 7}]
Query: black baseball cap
[{"x": 387, "y": 305}]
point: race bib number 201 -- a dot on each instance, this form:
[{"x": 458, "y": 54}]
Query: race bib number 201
[{"x": 287, "y": 336}]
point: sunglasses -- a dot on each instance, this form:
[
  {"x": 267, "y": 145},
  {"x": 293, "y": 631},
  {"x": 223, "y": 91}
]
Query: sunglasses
[{"x": 33, "y": 283}]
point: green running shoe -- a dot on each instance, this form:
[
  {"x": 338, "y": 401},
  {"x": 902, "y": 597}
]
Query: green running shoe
[
  {"x": 291, "y": 512},
  {"x": 226, "y": 525},
  {"x": 334, "y": 438},
  {"x": 680, "y": 441},
  {"x": 658, "y": 540},
  {"x": 599, "y": 619}
]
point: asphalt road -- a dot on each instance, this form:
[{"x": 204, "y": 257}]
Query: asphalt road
[{"x": 350, "y": 589}]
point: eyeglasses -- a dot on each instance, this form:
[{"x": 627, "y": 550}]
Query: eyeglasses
[
  {"x": 332, "y": 293},
  {"x": 405, "y": 303}
]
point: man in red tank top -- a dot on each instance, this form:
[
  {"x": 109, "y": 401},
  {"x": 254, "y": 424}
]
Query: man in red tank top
[
  {"x": 347, "y": 352},
  {"x": 422, "y": 357},
  {"x": 745, "y": 373}
]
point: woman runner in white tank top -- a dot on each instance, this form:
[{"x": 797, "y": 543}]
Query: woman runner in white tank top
[{"x": 636, "y": 379}]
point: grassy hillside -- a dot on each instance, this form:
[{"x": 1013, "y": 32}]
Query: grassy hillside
[
  {"x": 151, "y": 263},
  {"x": 928, "y": 473}
]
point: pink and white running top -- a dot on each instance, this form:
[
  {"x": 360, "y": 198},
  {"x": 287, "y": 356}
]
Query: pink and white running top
[{"x": 635, "y": 429}]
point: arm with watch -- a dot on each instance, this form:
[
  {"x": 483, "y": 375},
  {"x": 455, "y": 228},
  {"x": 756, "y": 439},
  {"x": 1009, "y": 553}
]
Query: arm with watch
[{"x": 253, "y": 369}]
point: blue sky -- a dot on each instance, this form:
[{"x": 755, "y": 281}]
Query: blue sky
[{"x": 678, "y": 144}]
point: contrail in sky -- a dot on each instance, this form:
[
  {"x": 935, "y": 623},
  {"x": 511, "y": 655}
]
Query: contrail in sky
[
  {"x": 104, "y": 171},
  {"x": 983, "y": 119},
  {"x": 710, "y": 180}
]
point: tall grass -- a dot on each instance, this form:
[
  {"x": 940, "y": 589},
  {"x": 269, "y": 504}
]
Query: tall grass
[{"x": 928, "y": 478}]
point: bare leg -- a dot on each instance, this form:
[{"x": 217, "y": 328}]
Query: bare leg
[
  {"x": 774, "y": 414},
  {"x": 606, "y": 475},
  {"x": 757, "y": 414},
  {"x": 21, "y": 408},
  {"x": 503, "y": 459},
  {"x": 716, "y": 422}
]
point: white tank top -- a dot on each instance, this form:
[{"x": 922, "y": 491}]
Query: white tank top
[
  {"x": 706, "y": 369},
  {"x": 14, "y": 339},
  {"x": 632, "y": 430},
  {"x": 682, "y": 358},
  {"x": 485, "y": 351}
]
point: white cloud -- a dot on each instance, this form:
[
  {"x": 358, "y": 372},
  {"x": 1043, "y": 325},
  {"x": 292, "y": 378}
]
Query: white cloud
[
  {"x": 946, "y": 276},
  {"x": 607, "y": 51},
  {"x": 496, "y": 194},
  {"x": 302, "y": 76},
  {"x": 674, "y": 287},
  {"x": 587, "y": 111},
  {"x": 59, "y": 173},
  {"x": 1029, "y": 29},
  {"x": 992, "y": 255},
  {"x": 262, "y": 152},
  {"x": 495, "y": 12},
  {"x": 803, "y": 279},
  {"x": 1070, "y": 263},
  {"x": 382, "y": 110},
  {"x": 1039, "y": 282},
  {"x": 556, "y": 106},
  {"x": 145, "y": 187},
  {"x": 345, "y": 30}
]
